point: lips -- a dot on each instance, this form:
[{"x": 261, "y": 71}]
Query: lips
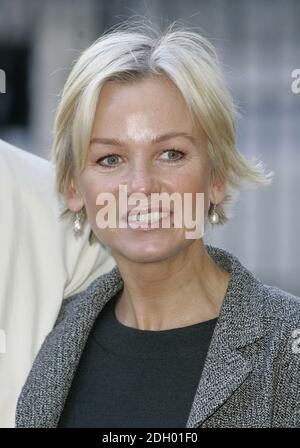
[{"x": 135, "y": 211}]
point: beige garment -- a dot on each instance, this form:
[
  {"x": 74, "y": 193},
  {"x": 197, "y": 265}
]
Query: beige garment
[{"x": 40, "y": 263}]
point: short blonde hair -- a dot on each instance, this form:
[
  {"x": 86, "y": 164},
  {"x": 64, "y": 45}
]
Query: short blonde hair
[{"x": 130, "y": 52}]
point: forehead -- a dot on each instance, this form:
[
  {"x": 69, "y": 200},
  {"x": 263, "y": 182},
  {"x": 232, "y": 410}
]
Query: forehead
[{"x": 150, "y": 102}]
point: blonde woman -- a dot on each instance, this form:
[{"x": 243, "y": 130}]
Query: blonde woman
[{"x": 178, "y": 333}]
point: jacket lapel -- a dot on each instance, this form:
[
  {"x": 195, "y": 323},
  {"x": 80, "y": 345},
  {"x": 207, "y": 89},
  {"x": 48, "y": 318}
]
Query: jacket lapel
[{"x": 239, "y": 325}]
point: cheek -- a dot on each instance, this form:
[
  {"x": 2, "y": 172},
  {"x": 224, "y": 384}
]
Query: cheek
[
  {"x": 92, "y": 187},
  {"x": 191, "y": 181}
]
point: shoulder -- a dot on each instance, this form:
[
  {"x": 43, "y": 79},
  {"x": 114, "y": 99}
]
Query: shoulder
[
  {"x": 280, "y": 305},
  {"x": 250, "y": 291},
  {"x": 100, "y": 288},
  {"x": 280, "y": 314},
  {"x": 24, "y": 168},
  {"x": 277, "y": 314}
]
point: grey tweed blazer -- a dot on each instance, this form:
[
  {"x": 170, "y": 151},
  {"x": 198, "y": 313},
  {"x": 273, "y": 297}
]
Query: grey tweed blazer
[{"x": 251, "y": 376}]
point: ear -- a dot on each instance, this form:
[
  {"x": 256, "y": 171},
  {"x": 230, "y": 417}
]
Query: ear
[
  {"x": 73, "y": 197},
  {"x": 217, "y": 192}
]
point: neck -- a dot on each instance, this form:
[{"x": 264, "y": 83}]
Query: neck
[{"x": 176, "y": 292}]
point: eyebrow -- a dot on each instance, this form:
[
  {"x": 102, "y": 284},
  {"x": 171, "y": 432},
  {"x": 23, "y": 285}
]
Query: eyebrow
[{"x": 154, "y": 140}]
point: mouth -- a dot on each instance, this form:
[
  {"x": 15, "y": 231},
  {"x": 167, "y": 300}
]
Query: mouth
[{"x": 148, "y": 219}]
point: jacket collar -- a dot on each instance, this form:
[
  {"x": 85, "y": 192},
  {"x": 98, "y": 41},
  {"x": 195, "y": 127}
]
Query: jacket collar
[{"x": 239, "y": 324}]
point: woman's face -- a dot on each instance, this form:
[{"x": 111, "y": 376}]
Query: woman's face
[{"x": 134, "y": 115}]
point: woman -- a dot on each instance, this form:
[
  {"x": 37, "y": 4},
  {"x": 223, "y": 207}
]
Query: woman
[{"x": 178, "y": 333}]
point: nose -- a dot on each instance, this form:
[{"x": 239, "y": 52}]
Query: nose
[{"x": 142, "y": 179}]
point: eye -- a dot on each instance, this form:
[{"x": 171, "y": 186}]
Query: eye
[
  {"x": 174, "y": 154},
  {"x": 111, "y": 158}
]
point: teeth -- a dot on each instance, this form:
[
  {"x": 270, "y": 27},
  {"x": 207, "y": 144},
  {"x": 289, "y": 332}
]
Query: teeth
[{"x": 147, "y": 217}]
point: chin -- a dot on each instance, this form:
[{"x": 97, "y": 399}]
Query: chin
[{"x": 147, "y": 252}]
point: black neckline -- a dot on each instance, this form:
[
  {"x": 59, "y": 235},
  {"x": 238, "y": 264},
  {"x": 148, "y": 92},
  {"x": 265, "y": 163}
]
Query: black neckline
[{"x": 131, "y": 342}]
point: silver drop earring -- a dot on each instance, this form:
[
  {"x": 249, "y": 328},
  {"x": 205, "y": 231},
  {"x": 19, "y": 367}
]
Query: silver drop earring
[
  {"x": 214, "y": 217},
  {"x": 77, "y": 226}
]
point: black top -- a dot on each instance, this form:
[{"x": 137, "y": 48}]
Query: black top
[{"x": 131, "y": 378}]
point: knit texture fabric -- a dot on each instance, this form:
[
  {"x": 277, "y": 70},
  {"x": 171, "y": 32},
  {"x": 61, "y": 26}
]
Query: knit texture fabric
[{"x": 251, "y": 375}]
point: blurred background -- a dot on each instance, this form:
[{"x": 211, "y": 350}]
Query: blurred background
[{"x": 258, "y": 42}]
